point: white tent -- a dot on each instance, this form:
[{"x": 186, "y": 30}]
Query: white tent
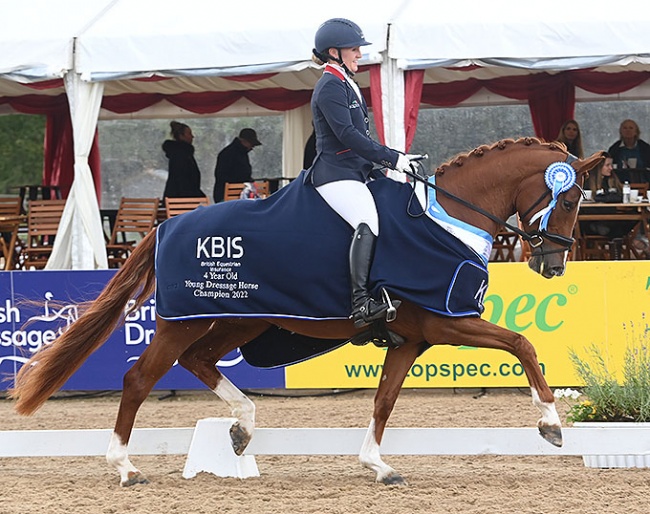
[{"x": 107, "y": 48}]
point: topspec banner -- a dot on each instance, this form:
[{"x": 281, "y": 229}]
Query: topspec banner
[{"x": 602, "y": 303}]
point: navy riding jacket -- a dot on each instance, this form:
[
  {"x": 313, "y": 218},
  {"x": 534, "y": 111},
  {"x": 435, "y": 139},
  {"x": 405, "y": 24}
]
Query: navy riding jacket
[{"x": 345, "y": 150}]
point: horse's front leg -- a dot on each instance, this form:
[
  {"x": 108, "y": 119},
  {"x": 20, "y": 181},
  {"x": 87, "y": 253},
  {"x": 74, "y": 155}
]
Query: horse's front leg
[
  {"x": 481, "y": 333},
  {"x": 397, "y": 363}
]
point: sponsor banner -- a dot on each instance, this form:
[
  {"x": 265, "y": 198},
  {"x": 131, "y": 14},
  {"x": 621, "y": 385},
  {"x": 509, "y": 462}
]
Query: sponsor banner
[
  {"x": 602, "y": 303},
  {"x": 36, "y": 306}
]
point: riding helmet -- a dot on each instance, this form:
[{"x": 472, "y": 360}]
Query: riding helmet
[{"x": 338, "y": 33}]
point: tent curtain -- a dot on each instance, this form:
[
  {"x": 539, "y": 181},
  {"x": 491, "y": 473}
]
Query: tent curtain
[
  {"x": 58, "y": 153},
  {"x": 80, "y": 242},
  {"x": 413, "y": 81},
  {"x": 275, "y": 99},
  {"x": 551, "y": 103},
  {"x": 376, "y": 103},
  {"x": 551, "y": 98}
]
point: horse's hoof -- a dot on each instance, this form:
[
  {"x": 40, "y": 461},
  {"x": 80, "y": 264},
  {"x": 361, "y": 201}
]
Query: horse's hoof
[
  {"x": 393, "y": 479},
  {"x": 552, "y": 433},
  {"x": 135, "y": 478},
  {"x": 239, "y": 438}
]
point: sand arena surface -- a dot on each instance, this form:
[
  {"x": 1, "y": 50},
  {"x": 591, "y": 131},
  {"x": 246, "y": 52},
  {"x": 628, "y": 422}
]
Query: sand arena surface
[{"x": 315, "y": 484}]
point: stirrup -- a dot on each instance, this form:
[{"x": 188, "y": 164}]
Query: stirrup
[{"x": 391, "y": 313}]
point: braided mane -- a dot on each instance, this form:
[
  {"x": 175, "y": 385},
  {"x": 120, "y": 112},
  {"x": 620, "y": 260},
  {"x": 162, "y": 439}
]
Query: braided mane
[{"x": 503, "y": 144}]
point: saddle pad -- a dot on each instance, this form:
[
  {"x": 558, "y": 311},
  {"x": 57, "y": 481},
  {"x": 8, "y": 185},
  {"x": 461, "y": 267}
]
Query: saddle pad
[{"x": 287, "y": 256}]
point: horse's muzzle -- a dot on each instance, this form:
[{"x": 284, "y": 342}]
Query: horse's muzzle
[{"x": 548, "y": 265}]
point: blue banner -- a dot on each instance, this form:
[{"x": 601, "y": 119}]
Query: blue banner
[{"x": 37, "y": 306}]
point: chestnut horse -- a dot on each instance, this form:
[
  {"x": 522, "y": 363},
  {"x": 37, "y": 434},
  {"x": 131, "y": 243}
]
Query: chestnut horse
[{"x": 502, "y": 179}]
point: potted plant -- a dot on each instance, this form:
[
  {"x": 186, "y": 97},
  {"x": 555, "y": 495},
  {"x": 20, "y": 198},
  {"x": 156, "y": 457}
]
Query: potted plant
[{"x": 611, "y": 398}]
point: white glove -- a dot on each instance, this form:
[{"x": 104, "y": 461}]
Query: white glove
[{"x": 403, "y": 163}]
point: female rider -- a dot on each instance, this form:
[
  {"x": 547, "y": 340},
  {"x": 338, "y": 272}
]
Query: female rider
[{"x": 346, "y": 153}]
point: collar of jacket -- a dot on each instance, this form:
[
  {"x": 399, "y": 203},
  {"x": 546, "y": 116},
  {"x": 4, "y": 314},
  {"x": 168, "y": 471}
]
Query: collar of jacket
[{"x": 334, "y": 71}]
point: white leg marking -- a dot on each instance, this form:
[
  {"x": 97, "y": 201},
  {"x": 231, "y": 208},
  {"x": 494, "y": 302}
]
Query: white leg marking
[
  {"x": 118, "y": 456},
  {"x": 369, "y": 455},
  {"x": 240, "y": 405},
  {"x": 550, "y": 416}
]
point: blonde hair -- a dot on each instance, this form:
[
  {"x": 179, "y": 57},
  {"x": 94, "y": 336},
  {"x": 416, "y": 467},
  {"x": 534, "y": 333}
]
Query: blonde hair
[
  {"x": 636, "y": 126},
  {"x": 574, "y": 147}
]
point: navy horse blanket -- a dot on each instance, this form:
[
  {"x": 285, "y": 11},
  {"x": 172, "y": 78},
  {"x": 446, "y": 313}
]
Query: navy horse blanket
[{"x": 287, "y": 256}]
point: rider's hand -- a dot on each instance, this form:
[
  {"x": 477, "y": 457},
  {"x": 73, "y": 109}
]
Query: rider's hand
[{"x": 403, "y": 163}]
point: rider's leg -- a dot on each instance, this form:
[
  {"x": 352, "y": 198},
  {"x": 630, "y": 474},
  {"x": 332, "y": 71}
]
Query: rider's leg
[{"x": 353, "y": 201}]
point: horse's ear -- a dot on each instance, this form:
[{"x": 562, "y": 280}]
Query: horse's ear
[{"x": 589, "y": 163}]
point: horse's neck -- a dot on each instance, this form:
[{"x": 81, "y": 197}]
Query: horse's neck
[{"x": 485, "y": 189}]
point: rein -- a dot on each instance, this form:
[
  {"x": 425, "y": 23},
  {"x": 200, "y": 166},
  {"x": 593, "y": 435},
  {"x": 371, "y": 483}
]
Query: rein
[{"x": 535, "y": 238}]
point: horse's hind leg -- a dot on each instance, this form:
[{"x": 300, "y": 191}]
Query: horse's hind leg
[
  {"x": 397, "y": 363},
  {"x": 169, "y": 342},
  {"x": 201, "y": 359}
]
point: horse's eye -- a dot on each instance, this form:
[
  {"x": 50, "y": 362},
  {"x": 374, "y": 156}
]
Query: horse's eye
[{"x": 567, "y": 205}]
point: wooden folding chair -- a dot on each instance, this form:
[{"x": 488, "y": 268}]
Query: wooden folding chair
[
  {"x": 10, "y": 205},
  {"x": 503, "y": 247},
  {"x": 176, "y": 206},
  {"x": 10, "y": 222},
  {"x": 233, "y": 190},
  {"x": 135, "y": 218},
  {"x": 43, "y": 221}
]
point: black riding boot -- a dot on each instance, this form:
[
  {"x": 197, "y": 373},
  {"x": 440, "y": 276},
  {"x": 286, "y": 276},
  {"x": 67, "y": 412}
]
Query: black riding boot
[{"x": 365, "y": 309}]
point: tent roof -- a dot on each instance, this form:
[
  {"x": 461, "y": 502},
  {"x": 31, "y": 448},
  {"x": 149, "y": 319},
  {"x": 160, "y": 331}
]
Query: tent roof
[
  {"x": 37, "y": 36},
  {"x": 204, "y": 37},
  {"x": 553, "y": 35}
]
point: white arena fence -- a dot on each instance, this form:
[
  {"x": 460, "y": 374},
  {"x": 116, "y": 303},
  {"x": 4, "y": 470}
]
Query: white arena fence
[{"x": 207, "y": 445}]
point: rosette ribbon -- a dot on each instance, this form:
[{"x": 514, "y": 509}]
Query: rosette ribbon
[{"x": 559, "y": 178}]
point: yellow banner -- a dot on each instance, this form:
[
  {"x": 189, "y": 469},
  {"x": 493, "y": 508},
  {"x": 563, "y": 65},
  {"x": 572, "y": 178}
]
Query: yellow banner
[{"x": 595, "y": 302}]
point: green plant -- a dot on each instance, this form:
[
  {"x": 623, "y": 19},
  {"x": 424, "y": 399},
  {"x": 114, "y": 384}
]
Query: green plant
[{"x": 607, "y": 398}]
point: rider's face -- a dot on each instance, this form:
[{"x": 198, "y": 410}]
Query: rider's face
[{"x": 350, "y": 57}]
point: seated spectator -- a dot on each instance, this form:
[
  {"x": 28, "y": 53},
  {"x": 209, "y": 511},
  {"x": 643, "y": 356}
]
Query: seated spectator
[
  {"x": 570, "y": 135},
  {"x": 630, "y": 151},
  {"x": 607, "y": 188}
]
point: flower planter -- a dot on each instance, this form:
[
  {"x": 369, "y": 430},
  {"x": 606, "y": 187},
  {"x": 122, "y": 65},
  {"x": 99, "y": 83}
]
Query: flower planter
[{"x": 616, "y": 461}]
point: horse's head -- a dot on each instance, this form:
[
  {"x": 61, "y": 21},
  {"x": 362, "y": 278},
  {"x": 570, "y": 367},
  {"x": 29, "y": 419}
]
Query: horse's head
[
  {"x": 548, "y": 203},
  {"x": 541, "y": 182}
]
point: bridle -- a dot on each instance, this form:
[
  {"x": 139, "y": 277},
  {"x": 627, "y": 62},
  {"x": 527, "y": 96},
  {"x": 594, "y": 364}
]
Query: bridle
[{"x": 535, "y": 238}]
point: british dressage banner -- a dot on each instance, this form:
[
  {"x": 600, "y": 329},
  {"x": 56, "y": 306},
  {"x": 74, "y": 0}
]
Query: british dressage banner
[{"x": 36, "y": 306}]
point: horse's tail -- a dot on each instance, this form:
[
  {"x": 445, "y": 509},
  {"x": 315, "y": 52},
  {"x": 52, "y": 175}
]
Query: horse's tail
[{"x": 47, "y": 370}]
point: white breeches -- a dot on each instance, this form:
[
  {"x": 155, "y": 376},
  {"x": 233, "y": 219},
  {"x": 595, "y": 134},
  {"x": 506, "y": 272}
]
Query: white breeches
[{"x": 353, "y": 201}]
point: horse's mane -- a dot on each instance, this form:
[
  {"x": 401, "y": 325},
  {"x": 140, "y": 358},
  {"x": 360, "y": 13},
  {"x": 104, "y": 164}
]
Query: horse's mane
[{"x": 503, "y": 144}]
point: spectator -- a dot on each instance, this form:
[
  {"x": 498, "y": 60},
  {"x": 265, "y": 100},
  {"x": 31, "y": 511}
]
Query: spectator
[
  {"x": 233, "y": 164},
  {"x": 184, "y": 179},
  {"x": 630, "y": 151},
  {"x": 607, "y": 188},
  {"x": 570, "y": 135}
]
